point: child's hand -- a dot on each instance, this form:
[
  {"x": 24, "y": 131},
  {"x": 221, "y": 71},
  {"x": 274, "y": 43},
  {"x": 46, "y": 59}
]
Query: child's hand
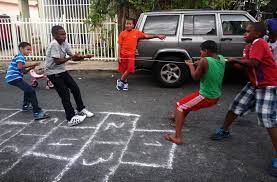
[
  {"x": 77, "y": 57},
  {"x": 161, "y": 37},
  {"x": 189, "y": 62},
  {"x": 119, "y": 60}
]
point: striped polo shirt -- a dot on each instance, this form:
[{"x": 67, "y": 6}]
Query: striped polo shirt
[{"x": 13, "y": 73}]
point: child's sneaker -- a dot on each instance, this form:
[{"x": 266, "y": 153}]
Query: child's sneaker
[
  {"x": 77, "y": 119},
  {"x": 273, "y": 168},
  {"x": 40, "y": 115},
  {"x": 125, "y": 86},
  {"x": 86, "y": 113},
  {"x": 27, "y": 108},
  {"x": 119, "y": 84},
  {"x": 220, "y": 134}
]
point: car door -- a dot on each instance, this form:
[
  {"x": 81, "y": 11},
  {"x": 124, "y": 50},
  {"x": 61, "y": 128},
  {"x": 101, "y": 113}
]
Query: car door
[
  {"x": 197, "y": 28},
  {"x": 165, "y": 24},
  {"x": 232, "y": 28}
]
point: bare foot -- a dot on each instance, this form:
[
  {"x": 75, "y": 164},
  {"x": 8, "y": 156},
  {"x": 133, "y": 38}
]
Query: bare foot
[{"x": 173, "y": 139}]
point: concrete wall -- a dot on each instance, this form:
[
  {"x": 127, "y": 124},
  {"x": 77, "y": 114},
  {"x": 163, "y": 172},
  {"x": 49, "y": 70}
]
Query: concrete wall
[{"x": 11, "y": 8}]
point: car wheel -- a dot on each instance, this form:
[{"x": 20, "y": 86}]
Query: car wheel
[{"x": 171, "y": 74}]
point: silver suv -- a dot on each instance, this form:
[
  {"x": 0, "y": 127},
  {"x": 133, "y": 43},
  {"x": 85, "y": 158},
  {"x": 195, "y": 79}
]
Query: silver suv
[{"x": 185, "y": 31}]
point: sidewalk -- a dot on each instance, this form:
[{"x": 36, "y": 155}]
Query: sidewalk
[{"x": 83, "y": 65}]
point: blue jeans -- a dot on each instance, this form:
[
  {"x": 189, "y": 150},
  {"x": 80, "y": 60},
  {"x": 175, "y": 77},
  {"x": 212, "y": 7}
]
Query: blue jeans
[{"x": 29, "y": 94}]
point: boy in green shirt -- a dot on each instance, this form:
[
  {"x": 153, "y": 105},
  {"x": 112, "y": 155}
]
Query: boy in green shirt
[{"x": 210, "y": 70}]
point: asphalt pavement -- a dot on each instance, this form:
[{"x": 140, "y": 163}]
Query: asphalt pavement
[{"x": 124, "y": 140}]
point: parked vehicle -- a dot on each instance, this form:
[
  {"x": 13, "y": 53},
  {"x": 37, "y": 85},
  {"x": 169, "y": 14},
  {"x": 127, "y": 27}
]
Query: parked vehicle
[{"x": 185, "y": 31}]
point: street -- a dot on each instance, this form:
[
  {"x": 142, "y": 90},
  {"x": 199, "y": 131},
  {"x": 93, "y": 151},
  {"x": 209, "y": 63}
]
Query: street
[{"x": 124, "y": 140}]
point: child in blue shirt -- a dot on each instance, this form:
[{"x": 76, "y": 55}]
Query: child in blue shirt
[{"x": 14, "y": 77}]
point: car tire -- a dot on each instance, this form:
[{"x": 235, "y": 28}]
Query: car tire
[{"x": 170, "y": 74}]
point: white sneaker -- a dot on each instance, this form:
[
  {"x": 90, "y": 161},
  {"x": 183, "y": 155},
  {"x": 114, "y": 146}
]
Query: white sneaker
[
  {"x": 86, "y": 113},
  {"x": 125, "y": 86},
  {"x": 77, "y": 119}
]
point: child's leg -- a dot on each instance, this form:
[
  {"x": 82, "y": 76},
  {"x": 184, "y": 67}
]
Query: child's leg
[
  {"x": 191, "y": 102},
  {"x": 243, "y": 103},
  {"x": 72, "y": 85},
  {"x": 130, "y": 67},
  {"x": 64, "y": 94},
  {"x": 29, "y": 93},
  {"x": 179, "y": 120},
  {"x": 229, "y": 119},
  {"x": 273, "y": 135},
  {"x": 125, "y": 76}
]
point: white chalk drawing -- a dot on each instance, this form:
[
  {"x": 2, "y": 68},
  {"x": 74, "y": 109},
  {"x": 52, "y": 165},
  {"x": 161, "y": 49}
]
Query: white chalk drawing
[
  {"x": 46, "y": 121},
  {"x": 98, "y": 161},
  {"x": 156, "y": 144},
  {"x": 64, "y": 142},
  {"x": 9, "y": 148},
  {"x": 5, "y": 133},
  {"x": 110, "y": 125},
  {"x": 167, "y": 164}
]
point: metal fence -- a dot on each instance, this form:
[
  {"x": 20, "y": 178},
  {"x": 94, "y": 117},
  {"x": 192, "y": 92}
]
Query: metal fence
[{"x": 101, "y": 42}]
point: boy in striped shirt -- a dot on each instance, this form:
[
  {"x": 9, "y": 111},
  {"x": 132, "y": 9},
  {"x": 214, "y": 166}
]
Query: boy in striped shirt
[{"x": 14, "y": 77}]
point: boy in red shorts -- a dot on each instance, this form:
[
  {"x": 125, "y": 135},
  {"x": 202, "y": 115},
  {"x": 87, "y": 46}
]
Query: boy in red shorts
[
  {"x": 210, "y": 70},
  {"x": 128, "y": 40}
]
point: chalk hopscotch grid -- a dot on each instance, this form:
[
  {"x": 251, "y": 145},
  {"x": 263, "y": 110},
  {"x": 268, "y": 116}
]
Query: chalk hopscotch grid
[{"x": 72, "y": 160}]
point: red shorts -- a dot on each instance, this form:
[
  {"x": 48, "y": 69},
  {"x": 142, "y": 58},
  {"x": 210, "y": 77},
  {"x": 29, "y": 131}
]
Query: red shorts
[
  {"x": 127, "y": 62},
  {"x": 194, "y": 102}
]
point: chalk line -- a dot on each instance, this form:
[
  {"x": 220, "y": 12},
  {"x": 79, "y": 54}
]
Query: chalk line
[
  {"x": 110, "y": 143},
  {"x": 76, "y": 157},
  {"x": 156, "y": 144},
  {"x": 51, "y": 156},
  {"x": 161, "y": 131},
  {"x": 30, "y": 134},
  {"x": 121, "y": 114},
  {"x": 78, "y": 127},
  {"x": 171, "y": 156},
  {"x": 145, "y": 164},
  {"x": 10, "y": 116},
  {"x": 62, "y": 143},
  {"x": 12, "y": 123},
  {"x": 112, "y": 124},
  {"x": 9, "y": 109},
  {"x": 31, "y": 149},
  {"x": 113, "y": 169},
  {"x": 5, "y": 133},
  {"x": 98, "y": 161}
]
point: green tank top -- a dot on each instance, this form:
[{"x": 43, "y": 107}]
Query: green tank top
[{"x": 211, "y": 82}]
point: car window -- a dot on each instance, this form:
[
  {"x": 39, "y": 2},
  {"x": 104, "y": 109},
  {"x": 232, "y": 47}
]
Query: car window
[
  {"x": 199, "y": 25},
  {"x": 164, "y": 24},
  {"x": 234, "y": 24}
]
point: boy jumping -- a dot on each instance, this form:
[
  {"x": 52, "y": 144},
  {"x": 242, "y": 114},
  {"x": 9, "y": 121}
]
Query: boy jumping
[
  {"x": 61, "y": 79},
  {"x": 260, "y": 93},
  {"x": 128, "y": 40},
  {"x": 210, "y": 70},
  {"x": 14, "y": 76}
]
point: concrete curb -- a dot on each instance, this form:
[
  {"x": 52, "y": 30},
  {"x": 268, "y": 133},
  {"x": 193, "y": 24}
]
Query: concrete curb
[{"x": 83, "y": 65}]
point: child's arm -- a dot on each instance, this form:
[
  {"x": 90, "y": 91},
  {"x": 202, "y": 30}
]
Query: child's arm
[
  {"x": 149, "y": 36},
  {"x": 200, "y": 70},
  {"x": 245, "y": 62}
]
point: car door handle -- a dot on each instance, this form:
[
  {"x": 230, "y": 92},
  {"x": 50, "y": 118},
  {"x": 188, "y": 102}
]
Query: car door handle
[
  {"x": 224, "y": 39},
  {"x": 184, "y": 39}
]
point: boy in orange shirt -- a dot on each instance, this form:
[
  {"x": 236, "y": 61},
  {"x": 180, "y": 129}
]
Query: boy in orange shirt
[{"x": 128, "y": 40}]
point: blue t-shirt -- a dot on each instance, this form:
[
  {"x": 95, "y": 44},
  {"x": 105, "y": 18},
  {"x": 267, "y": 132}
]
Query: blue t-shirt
[
  {"x": 272, "y": 24},
  {"x": 13, "y": 73}
]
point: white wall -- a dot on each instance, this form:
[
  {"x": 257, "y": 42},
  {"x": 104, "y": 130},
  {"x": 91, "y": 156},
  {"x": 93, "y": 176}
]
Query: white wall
[{"x": 11, "y": 8}]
